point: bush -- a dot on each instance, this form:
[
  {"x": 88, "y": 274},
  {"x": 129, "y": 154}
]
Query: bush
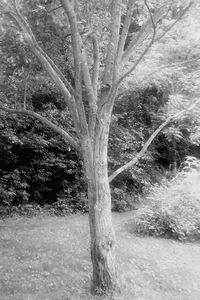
[
  {"x": 173, "y": 208},
  {"x": 36, "y": 166},
  {"x": 27, "y": 210},
  {"x": 59, "y": 208},
  {"x": 65, "y": 206},
  {"x": 122, "y": 200},
  {"x": 13, "y": 189}
]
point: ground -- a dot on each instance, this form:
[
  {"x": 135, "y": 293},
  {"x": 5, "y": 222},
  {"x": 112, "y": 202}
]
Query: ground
[{"x": 47, "y": 258}]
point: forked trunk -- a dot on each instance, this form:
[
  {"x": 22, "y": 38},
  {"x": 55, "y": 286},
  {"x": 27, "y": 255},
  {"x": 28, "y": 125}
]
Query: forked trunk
[{"x": 104, "y": 278}]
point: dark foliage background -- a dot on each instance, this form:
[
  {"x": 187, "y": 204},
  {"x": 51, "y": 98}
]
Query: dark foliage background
[{"x": 38, "y": 168}]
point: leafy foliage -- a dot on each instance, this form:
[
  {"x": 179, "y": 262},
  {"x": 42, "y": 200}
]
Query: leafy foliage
[
  {"x": 136, "y": 115},
  {"x": 36, "y": 167},
  {"x": 173, "y": 208}
]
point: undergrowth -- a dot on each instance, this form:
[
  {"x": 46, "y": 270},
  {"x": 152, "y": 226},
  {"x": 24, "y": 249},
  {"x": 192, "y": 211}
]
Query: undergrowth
[{"x": 172, "y": 209}]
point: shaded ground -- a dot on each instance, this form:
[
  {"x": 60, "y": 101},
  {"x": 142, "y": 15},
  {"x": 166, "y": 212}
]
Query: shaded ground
[{"x": 47, "y": 258}]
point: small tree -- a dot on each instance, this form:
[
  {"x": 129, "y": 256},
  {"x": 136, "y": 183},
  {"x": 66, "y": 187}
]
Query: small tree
[{"x": 92, "y": 119}]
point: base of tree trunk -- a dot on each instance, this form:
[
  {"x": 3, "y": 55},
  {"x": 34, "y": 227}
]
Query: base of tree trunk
[
  {"x": 105, "y": 277},
  {"x": 106, "y": 288}
]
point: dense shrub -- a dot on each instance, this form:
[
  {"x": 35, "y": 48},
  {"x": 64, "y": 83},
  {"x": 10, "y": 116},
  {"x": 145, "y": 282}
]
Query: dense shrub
[
  {"x": 76, "y": 203},
  {"x": 59, "y": 208},
  {"x": 173, "y": 208},
  {"x": 27, "y": 210},
  {"x": 123, "y": 200},
  {"x": 36, "y": 167}
]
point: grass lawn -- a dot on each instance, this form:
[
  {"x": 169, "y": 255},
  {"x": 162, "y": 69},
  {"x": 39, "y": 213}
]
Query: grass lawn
[{"x": 48, "y": 258}]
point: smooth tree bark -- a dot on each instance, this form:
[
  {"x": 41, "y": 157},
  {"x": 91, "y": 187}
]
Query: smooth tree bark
[{"x": 92, "y": 130}]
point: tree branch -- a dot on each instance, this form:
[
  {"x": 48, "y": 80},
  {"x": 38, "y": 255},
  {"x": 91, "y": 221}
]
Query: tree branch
[
  {"x": 81, "y": 57},
  {"x": 124, "y": 33},
  {"x": 53, "y": 71},
  {"x": 96, "y": 60},
  {"x": 150, "y": 14},
  {"x": 91, "y": 84},
  {"x": 113, "y": 42},
  {"x": 154, "y": 22},
  {"x": 176, "y": 21},
  {"x": 154, "y": 25},
  {"x": 69, "y": 10},
  {"x": 139, "y": 37},
  {"x": 66, "y": 136},
  {"x": 92, "y": 100},
  {"x": 53, "y": 9},
  {"x": 23, "y": 24},
  {"x": 149, "y": 141}
]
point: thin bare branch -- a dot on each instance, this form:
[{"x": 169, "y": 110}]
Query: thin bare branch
[
  {"x": 150, "y": 14},
  {"x": 154, "y": 22},
  {"x": 60, "y": 74},
  {"x": 136, "y": 63},
  {"x": 149, "y": 141},
  {"x": 55, "y": 8},
  {"x": 175, "y": 22},
  {"x": 144, "y": 32},
  {"x": 66, "y": 136},
  {"x": 53, "y": 71},
  {"x": 124, "y": 33},
  {"x": 54, "y": 74},
  {"x": 154, "y": 25},
  {"x": 30, "y": 38}
]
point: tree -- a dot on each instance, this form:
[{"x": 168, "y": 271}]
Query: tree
[{"x": 100, "y": 79}]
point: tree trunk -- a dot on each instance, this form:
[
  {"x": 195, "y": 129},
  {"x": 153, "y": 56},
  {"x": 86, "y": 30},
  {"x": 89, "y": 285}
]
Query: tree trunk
[{"x": 104, "y": 278}]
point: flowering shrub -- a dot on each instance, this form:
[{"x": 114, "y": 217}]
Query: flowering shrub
[{"x": 173, "y": 208}]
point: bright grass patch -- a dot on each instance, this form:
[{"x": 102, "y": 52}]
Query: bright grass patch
[{"x": 48, "y": 258}]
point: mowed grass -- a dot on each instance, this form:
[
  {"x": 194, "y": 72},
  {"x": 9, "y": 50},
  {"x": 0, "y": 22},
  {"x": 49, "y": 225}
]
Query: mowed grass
[{"x": 48, "y": 258}]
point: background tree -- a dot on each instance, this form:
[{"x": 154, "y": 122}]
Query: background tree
[{"x": 99, "y": 79}]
